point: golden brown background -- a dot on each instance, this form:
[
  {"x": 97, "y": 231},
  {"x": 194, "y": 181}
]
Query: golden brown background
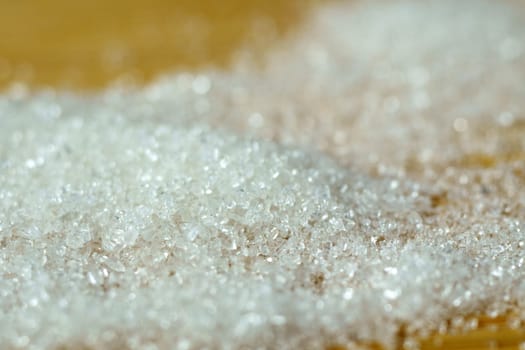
[{"x": 88, "y": 44}]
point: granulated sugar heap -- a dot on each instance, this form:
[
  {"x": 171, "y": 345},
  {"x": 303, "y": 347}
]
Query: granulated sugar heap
[{"x": 369, "y": 178}]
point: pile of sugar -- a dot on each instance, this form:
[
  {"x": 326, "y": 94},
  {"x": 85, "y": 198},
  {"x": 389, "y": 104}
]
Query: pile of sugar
[{"x": 378, "y": 186}]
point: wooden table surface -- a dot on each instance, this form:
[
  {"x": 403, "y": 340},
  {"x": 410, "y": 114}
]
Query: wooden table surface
[{"x": 86, "y": 45}]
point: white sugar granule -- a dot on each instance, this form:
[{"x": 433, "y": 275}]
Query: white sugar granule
[{"x": 128, "y": 220}]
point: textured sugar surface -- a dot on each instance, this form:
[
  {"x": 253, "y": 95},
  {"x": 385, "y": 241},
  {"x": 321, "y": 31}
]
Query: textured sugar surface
[{"x": 128, "y": 220}]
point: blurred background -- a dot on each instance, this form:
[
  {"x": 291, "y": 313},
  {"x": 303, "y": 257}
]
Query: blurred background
[{"x": 90, "y": 44}]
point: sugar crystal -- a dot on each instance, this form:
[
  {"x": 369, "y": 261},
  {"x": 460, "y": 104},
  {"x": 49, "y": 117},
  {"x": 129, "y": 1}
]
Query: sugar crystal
[{"x": 369, "y": 177}]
